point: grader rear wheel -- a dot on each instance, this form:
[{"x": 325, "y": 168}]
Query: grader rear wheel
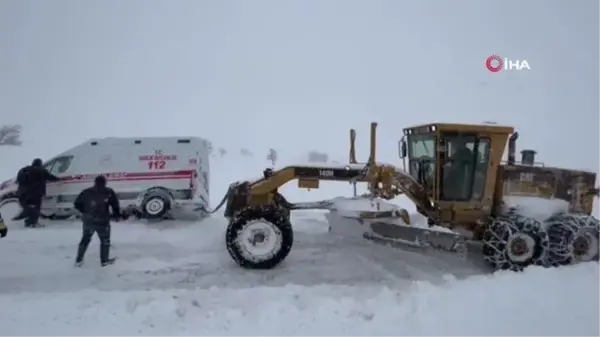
[
  {"x": 573, "y": 238},
  {"x": 514, "y": 242}
]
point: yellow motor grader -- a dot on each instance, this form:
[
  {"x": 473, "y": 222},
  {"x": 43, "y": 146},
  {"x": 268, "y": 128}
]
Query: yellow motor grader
[{"x": 455, "y": 176}]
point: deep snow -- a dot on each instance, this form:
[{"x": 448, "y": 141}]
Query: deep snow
[
  {"x": 176, "y": 278},
  {"x": 506, "y": 304},
  {"x": 179, "y": 280}
]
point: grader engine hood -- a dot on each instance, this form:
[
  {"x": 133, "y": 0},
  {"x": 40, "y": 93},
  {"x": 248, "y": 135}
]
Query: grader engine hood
[{"x": 576, "y": 188}]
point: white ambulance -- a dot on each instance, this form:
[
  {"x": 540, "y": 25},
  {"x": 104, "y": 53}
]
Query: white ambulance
[{"x": 154, "y": 177}]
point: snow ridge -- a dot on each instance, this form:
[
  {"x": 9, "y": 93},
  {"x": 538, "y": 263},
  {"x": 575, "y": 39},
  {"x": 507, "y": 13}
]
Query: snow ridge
[{"x": 537, "y": 302}]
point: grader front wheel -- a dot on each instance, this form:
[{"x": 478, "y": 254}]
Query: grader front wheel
[{"x": 259, "y": 238}]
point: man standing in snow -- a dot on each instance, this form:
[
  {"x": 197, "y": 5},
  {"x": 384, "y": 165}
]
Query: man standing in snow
[
  {"x": 32, "y": 181},
  {"x": 93, "y": 203},
  {"x": 3, "y": 229}
]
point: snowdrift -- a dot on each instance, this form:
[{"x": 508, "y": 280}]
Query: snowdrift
[{"x": 536, "y": 302}]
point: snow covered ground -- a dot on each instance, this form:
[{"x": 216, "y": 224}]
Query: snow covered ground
[{"x": 177, "y": 279}]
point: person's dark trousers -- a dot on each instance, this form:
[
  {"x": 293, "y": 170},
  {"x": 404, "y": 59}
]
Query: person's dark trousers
[
  {"x": 102, "y": 229},
  {"x": 31, "y": 210},
  {"x": 34, "y": 209}
]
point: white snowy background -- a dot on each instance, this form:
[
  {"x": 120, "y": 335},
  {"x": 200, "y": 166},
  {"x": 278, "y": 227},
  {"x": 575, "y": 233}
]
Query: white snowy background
[{"x": 294, "y": 76}]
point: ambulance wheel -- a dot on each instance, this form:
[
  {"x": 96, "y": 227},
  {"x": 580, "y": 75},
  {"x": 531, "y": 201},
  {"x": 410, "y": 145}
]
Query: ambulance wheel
[
  {"x": 259, "y": 237},
  {"x": 8, "y": 200},
  {"x": 156, "y": 204}
]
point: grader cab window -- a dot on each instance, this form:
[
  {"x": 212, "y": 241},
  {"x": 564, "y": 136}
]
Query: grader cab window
[
  {"x": 465, "y": 162},
  {"x": 421, "y": 154}
]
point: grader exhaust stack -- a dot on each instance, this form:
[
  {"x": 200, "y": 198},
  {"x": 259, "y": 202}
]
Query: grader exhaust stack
[
  {"x": 372, "y": 149},
  {"x": 373, "y": 144},
  {"x": 512, "y": 148},
  {"x": 352, "y": 156}
]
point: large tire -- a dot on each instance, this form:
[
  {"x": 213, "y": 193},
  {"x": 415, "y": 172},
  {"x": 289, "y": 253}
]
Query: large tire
[
  {"x": 9, "y": 199},
  {"x": 156, "y": 204},
  {"x": 573, "y": 238},
  {"x": 513, "y": 242},
  {"x": 268, "y": 227}
]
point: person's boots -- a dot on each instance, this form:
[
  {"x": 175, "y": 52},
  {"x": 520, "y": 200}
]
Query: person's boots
[
  {"x": 26, "y": 212},
  {"x": 105, "y": 260},
  {"x": 108, "y": 262}
]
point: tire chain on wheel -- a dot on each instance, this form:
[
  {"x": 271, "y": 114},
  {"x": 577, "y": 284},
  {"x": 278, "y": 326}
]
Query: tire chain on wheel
[
  {"x": 272, "y": 214},
  {"x": 497, "y": 234},
  {"x": 563, "y": 229}
]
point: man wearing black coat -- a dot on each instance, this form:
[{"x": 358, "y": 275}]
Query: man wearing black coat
[
  {"x": 3, "y": 229},
  {"x": 32, "y": 181},
  {"x": 94, "y": 203}
]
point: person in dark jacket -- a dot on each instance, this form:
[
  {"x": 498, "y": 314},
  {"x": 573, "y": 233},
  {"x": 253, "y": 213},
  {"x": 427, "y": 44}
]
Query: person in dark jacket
[
  {"x": 32, "y": 181},
  {"x": 3, "y": 229},
  {"x": 461, "y": 163},
  {"x": 94, "y": 203}
]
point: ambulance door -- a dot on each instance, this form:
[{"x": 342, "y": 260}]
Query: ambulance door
[
  {"x": 49, "y": 201},
  {"x": 59, "y": 194},
  {"x": 201, "y": 180}
]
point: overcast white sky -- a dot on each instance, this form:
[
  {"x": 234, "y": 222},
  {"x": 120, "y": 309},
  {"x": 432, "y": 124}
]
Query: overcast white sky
[{"x": 268, "y": 73}]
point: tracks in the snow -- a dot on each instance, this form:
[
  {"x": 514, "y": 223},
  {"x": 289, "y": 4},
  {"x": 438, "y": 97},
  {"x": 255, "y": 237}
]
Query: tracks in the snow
[{"x": 315, "y": 259}]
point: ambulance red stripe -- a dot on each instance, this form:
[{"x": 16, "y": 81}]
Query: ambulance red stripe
[
  {"x": 122, "y": 176},
  {"x": 130, "y": 176}
]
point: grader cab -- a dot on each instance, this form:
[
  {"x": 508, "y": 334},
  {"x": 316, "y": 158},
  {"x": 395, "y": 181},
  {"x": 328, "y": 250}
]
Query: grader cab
[
  {"x": 462, "y": 170},
  {"x": 458, "y": 165},
  {"x": 455, "y": 176}
]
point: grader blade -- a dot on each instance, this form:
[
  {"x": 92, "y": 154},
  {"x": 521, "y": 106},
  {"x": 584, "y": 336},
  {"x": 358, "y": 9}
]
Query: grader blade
[
  {"x": 388, "y": 225},
  {"x": 416, "y": 236},
  {"x": 324, "y": 204},
  {"x": 391, "y": 228}
]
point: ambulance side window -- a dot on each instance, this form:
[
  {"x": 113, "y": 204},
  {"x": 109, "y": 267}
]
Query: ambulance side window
[
  {"x": 59, "y": 165},
  {"x": 48, "y": 165}
]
